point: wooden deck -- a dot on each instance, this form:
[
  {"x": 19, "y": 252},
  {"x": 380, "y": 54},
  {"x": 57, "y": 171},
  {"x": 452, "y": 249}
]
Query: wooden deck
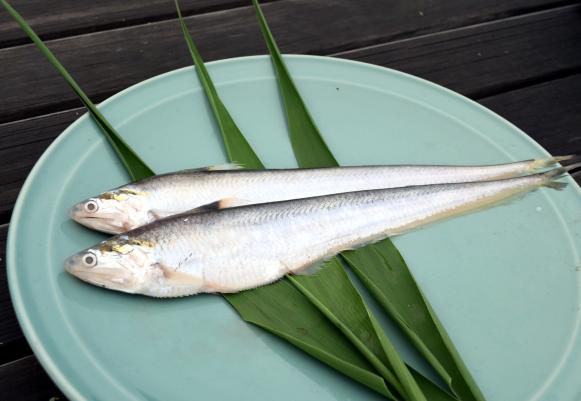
[{"x": 520, "y": 58}]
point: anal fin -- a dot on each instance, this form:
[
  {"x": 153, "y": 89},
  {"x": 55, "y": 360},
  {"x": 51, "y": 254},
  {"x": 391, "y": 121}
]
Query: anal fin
[{"x": 309, "y": 270}]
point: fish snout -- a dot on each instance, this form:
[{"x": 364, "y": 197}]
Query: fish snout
[
  {"x": 73, "y": 264},
  {"x": 75, "y": 211}
]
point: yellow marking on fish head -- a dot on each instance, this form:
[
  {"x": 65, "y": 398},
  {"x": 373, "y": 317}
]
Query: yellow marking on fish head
[
  {"x": 118, "y": 247},
  {"x": 113, "y": 196},
  {"x": 120, "y": 194},
  {"x": 144, "y": 243},
  {"x": 130, "y": 191}
]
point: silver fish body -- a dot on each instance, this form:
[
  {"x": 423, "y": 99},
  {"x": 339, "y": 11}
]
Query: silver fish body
[
  {"x": 246, "y": 247},
  {"x": 143, "y": 202}
]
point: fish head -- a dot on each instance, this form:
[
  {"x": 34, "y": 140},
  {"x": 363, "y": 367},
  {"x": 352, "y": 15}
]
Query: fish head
[
  {"x": 113, "y": 212},
  {"x": 116, "y": 264}
]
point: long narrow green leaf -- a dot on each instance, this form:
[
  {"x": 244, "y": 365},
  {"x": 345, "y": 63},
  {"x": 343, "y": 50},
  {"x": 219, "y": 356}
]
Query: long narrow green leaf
[
  {"x": 304, "y": 132},
  {"x": 136, "y": 168},
  {"x": 385, "y": 273},
  {"x": 237, "y": 147},
  {"x": 336, "y": 297},
  {"x": 358, "y": 325},
  {"x": 304, "y": 135},
  {"x": 322, "y": 292},
  {"x": 380, "y": 266},
  {"x": 282, "y": 309}
]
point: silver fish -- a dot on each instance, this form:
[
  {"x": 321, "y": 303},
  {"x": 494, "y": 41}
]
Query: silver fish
[
  {"x": 143, "y": 202},
  {"x": 245, "y": 247}
]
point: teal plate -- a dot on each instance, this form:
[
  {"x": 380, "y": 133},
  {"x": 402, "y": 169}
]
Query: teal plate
[{"x": 505, "y": 282}]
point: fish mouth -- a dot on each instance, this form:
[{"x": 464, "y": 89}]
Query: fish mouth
[
  {"x": 109, "y": 278},
  {"x": 111, "y": 223}
]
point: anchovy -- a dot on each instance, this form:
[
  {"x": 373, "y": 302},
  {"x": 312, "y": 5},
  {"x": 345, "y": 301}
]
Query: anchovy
[
  {"x": 245, "y": 247},
  {"x": 143, "y": 202}
]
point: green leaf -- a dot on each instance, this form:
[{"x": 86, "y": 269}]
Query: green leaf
[
  {"x": 237, "y": 148},
  {"x": 136, "y": 168},
  {"x": 330, "y": 292},
  {"x": 335, "y": 296},
  {"x": 304, "y": 132},
  {"x": 384, "y": 272},
  {"x": 281, "y": 309},
  {"x": 379, "y": 266},
  {"x": 278, "y": 303}
]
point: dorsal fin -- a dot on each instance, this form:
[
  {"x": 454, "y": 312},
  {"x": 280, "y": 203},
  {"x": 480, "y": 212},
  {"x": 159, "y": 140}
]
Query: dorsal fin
[
  {"x": 221, "y": 204},
  {"x": 217, "y": 167},
  {"x": 225, "y": 203},
  {"x": 225, "y": 166},
  {"x": 210, "y": 207}
]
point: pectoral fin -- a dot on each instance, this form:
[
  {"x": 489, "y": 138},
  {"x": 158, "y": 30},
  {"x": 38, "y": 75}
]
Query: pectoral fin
[
  {"x": 227, "y": 203},
  {"x": 179, "y": 279}
]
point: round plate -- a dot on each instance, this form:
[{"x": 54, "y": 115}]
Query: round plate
[{"x": 505, "y": 282}]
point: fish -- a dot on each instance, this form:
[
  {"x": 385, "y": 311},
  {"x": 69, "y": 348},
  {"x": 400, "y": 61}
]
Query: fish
[
  {"x": 134, "y": 205},
  {"x": 244, "y": 247}
]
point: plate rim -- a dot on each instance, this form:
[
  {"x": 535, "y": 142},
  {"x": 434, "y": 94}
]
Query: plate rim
[{"x": 48, "y": 362}]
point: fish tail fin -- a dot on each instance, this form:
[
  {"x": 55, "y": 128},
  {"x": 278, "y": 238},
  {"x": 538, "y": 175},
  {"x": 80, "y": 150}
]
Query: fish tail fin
[
  {"x": 539, "y": 164},
  {"x": 573, "y": 169},
  {"x": 558, "y": 185},
  {"x": 550, "y": 178}
]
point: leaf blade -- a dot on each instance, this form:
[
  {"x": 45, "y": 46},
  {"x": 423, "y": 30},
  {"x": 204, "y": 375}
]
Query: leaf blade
[
  {"x": 245, "y": 155},
  {"x": 304, "y": 136},
  {"x": 298, "y": 328},
  {"x": 313, "y": 152},
  {"x": 302, "y": 126},
  {"x": 237, "y": 147},
  {"x": 136, "y": 167}
]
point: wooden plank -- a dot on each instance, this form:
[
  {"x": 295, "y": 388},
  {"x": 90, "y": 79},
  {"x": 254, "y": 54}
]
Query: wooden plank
[
  {"x": 9, "y": 329},
  {"x": 105, "y": 62},
  {"x": 25, "y": 380},
  {"x": 53, "y": 19},
  {"x": 548, "y": 112},
  {"x": 21, "y": 144},
  {"x": 491, "y": 57}
]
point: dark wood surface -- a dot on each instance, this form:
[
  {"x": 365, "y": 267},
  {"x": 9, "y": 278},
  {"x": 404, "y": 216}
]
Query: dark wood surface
[{"x": 520, "y": 58}]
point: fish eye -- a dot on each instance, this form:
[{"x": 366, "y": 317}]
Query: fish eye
[
  {"x": 91, "y": 206},
  {"x": 89, "y": 259}
]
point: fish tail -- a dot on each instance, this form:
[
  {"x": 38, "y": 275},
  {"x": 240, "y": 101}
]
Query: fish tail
[
  {"x": 550, "y": 178},
  {"x": 539, "y": 164},
  {"x": 571, "y": 167}
]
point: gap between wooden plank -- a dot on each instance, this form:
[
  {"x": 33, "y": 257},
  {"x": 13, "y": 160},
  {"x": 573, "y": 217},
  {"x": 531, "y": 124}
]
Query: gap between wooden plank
[
  {"x": 25, "y": 380},
  {"x": 55, "y": 20},
  {"x": 482, "y": 25},
  {"x": 123, "y": 57},
  {"x": 9, "y": 329},
  {"x": 489, "y": 58}
]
